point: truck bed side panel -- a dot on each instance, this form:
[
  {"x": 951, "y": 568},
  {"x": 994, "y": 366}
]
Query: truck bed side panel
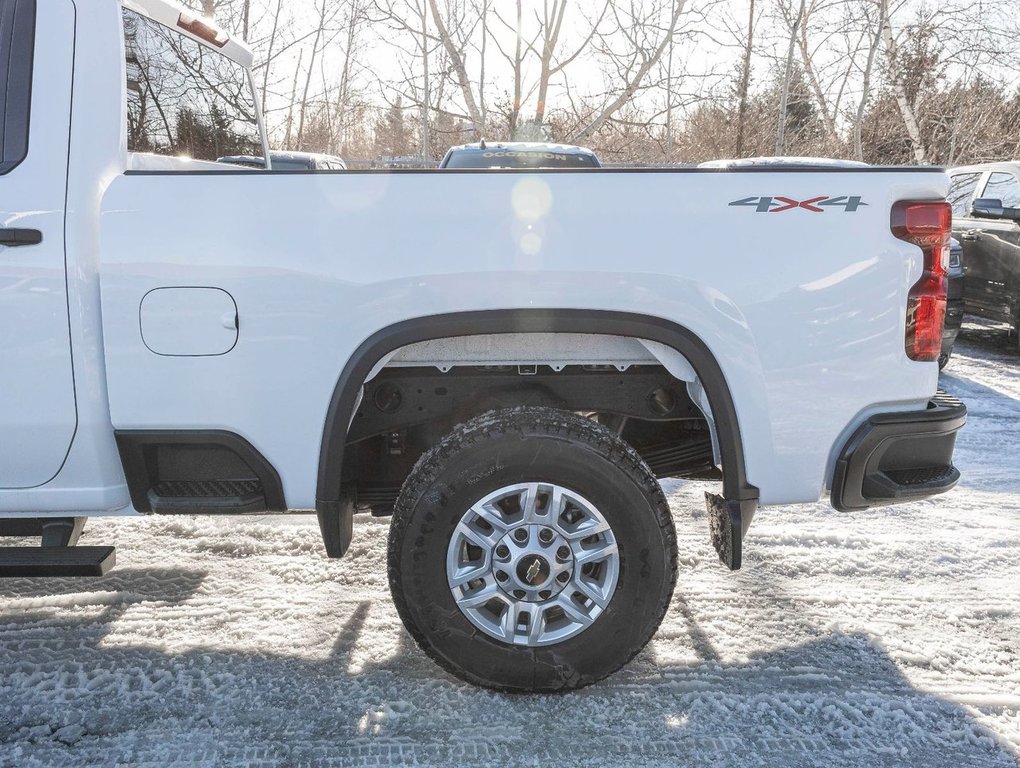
[{"x": 803, "y": 308}]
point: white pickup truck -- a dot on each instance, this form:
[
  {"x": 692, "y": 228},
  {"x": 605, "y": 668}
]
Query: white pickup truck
[{"x": 506, "y": 361}]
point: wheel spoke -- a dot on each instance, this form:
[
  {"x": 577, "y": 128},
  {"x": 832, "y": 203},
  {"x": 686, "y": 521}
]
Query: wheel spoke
[
  {"x": 469, "y": 573},
  {"x": 483, "y": 540},
  {"x": 594, "y": 554},
  {"x": 492, "y": 516},
  {"x": 536, "y": 624},
  {"x": 556, "y": 502},
  {"x": 481, "y": 596},
  {"x": 529, "y": 499},
  {"x": 589, "y": 526},
  {"x": 592, "y": 591},
  {"x": 572, "y": 610}
]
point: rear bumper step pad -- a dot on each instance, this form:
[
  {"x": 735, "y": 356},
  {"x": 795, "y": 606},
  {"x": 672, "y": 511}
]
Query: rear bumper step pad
[{"x": 897, "y": 457}]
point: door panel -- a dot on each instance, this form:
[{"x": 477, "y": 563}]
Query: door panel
[{"x": 37, "y": 407}]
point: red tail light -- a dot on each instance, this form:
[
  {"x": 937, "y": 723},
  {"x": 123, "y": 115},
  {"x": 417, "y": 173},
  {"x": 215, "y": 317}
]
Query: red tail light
[{"x": 926, "y": 225}]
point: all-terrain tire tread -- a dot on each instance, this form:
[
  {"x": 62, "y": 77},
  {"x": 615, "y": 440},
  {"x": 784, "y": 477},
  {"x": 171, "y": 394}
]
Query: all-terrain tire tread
[{"x": 525, "y": 420}]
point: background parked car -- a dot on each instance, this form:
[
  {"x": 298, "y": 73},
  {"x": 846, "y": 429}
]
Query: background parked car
[
  {"x": 519, "y": 154},
  {"x": 954, "y": 303},
  {"x": 986, "y": 220},
  {"x": 289, "y": 161}
]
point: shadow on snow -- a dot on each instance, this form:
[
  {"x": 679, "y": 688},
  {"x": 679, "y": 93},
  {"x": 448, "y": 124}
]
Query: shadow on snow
[{"x": 836, "y": 699}]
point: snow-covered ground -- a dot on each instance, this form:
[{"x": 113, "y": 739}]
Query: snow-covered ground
[{"x": 888, "y": 637}]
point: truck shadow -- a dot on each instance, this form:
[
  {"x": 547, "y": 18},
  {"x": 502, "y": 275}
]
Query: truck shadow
[{"x": 71, "y": 694}]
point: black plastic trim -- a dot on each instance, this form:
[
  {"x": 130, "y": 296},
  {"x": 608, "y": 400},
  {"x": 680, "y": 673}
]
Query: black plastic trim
[
  {"x": 17, "y": 91},
  {"x": 17, "y": 237},
  {"x": 20, "y": 562},
  {"x": 336, "y": 523},
  {"x": 54, "y": 531},
  {"x": 141, "y": 476},
  {"x": 898, "y": 457},
  {"x": 329, "y": 489}
]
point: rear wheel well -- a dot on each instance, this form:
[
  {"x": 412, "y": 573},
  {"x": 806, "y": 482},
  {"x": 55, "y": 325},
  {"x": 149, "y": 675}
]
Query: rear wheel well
[
  {"x": 405, "y": 411},
  {"x": 335, "y": 491}
]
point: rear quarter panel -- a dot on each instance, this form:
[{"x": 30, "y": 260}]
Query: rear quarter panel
[{"x": 804, "y": 310}]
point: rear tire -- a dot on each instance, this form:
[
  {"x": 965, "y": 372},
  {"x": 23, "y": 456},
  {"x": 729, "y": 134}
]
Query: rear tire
[{"x": 589, "y": 479}]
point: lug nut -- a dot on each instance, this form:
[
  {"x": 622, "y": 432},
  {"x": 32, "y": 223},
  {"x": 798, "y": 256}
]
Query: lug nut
[
  {"x": 545, "y": 594},
  {"x": 563, "y": 578},
  {"x": 521, "y": 535},
  {"x": 501, "y": 576},
  {"x": 563, "y": 553},
  {"x": 545, "y": 535},
  {"x": 502, "y": 551},
  {"x": 519, "y": 594}
]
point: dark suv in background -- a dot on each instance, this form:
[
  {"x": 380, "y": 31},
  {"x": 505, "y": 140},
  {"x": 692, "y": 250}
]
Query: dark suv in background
[
  {"x": 986, "y": 221},
  {"x": 954, "y": 301}
]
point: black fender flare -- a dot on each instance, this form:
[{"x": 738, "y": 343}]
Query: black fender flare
[{"x": 330, "y": 498}]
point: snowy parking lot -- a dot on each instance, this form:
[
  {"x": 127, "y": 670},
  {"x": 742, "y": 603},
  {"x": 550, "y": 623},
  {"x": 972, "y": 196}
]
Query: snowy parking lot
[{"x": 880, "y": 638}]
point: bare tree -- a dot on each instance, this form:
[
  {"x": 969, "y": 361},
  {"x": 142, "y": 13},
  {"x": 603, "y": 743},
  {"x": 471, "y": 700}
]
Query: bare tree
[
  {"x": 551, "y": 28},
  {"x": 646, "y": 31},
  {"x": 269, "y": 53},
  {"x": 325, "y": 34},
  {"x": 515, "y": 60},
  {"x": 455, "y": 38},
  {"x": 844, "y": 72},
  {"x": 293, "y": 100},
  {"x": 899, "y": 91},
  {"x": 785, "y": 89},
  {"x": 875, "y": 41},
  {"x": 807, "y": 61},
  {"x": 481, "y": 74},
  {"x": 745, "y": 81}
]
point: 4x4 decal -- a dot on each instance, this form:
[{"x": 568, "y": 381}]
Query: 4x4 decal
[{"x": 778, "y": 203}]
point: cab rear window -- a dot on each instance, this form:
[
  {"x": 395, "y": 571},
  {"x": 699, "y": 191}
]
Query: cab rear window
[
  {"x": 185, "y": 99},
  {"x": 17, "y": 40}
]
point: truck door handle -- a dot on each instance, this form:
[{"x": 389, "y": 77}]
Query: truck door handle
[
  {"x": 15, "y": 237},
  {"x": 969, "y": 236}
]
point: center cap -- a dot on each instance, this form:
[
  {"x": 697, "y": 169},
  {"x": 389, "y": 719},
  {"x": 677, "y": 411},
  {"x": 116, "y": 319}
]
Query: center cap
[
  {"x": 533, "y": 570},
  {"x": 533, "y": 563}
]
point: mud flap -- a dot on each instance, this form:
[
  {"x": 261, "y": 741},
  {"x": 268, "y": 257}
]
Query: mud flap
[
  {"x": 336, "y": 522},
  {"x": 728, "y": 521}
]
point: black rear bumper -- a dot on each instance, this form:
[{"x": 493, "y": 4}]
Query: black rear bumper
[{"x": 897, "y": 457}]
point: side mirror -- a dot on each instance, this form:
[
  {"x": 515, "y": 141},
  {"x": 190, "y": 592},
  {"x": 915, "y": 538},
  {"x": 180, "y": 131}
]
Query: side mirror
[{"x": 987, "y": 208}]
